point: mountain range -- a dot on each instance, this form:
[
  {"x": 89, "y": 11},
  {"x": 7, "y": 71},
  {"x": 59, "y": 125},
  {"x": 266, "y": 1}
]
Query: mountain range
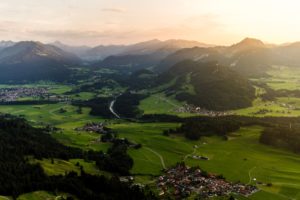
[
  {"x": 250, "y": 57},
  {"x": 29, "y": 60},
  {"x": 101, "y": 52},
  {"x": 32, "y": 61}
]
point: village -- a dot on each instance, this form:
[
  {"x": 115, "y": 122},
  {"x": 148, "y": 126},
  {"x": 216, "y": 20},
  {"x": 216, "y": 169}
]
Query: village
[
  {"x": 181, "y": 181},
  {"x": 186, "y": 108},
  {"x": 14, "y": 94}
]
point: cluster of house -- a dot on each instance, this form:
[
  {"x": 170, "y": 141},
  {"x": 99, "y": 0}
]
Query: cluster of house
[
  {"x": 36, "y": 93},
  {"x": 94, "y": 127},
  {"x": 186, "y": 108},
  {"x": 288, "y": 106},
  {"x": 13, "y": 94},
  {"x": 182, "y": 180}
]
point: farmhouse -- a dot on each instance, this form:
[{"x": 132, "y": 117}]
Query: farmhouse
[{"x": 94, "y": 127}]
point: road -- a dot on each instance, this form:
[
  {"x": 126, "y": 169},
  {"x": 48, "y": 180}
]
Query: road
[{"x": 111, "y": 108}]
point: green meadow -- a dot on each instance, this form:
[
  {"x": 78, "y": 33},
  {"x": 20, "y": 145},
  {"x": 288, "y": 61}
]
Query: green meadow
[
  {"x": 41, "y": 115},
  {"x": 61, "y": 167},
  {"x": 278, "y": 108},
  {"x": 38, "y": 195},
  {"x": 241, "y": 158},
  {"x": 161, "y": 104},
  {"x": 43, "y": 195},
  {"x": 282, "y": 77}
]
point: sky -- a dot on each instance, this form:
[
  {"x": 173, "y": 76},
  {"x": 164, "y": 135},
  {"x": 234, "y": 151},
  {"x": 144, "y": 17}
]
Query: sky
[{"x": 94, "y": 22}]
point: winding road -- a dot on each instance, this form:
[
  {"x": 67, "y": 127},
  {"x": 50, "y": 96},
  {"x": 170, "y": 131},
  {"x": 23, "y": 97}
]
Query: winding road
[{"x": 111, "y": 109}]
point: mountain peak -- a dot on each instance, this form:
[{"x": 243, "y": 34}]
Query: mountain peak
[
  {"x": 29, "y": 43},
  {"x": 251, "y": 42},
  {"x": 247, "y": 44}
]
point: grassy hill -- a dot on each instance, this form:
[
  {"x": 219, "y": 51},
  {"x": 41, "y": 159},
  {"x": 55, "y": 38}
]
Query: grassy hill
[{"x": 208, "y": 85}]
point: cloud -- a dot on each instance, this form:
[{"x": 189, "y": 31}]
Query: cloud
[
  {"x": 71, "y": 33},
  {"x": 78, "y": 35},
  {"x": 116, "y": 10}
]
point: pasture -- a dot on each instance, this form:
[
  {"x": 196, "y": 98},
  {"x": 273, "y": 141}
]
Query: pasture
[
  {"x": 49, "y": 114},
  {"x": 160, "y": 104},
  {"x": 238, "y": 159},
  {"x": 43, "y": 195},
  {"x": 281, "y": 107},
  {"x": 282, "y": 77},
  {"x": 61, "y": 167},
  {"x": 241, "y": 158}
]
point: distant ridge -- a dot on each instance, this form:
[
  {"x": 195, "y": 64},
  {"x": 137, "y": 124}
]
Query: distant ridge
[
  {"x": 101, "y": 52},
  {"x": 30, "y": 60}
]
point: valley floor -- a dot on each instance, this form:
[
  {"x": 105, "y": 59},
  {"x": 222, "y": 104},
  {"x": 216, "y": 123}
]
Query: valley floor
[{"x": 242, "y": 158}]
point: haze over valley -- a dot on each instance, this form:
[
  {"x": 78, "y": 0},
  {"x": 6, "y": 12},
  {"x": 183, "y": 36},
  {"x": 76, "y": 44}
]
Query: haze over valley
[{"x": 137, "y": 100}]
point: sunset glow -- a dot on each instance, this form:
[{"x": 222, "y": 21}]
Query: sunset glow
[{"x": 129, "y": 21}]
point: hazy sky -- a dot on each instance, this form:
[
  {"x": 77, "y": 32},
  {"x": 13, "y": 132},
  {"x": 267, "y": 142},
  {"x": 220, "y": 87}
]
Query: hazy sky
[{"x": 95, "y": 22}]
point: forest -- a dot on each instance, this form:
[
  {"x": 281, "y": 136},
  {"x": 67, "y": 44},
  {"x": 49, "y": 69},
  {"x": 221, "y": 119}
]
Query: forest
[{"x": 19, "y": 141}]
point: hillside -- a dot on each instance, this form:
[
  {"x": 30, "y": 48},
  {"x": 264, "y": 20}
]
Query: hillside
[
  {"x": 131, "y": 63},
  {"x": 80, "y": 51},
  {"x": 208, "y": 85},
  {"x": 144, "y": 48},
  {"x": 288, "y": 54},
  {"x": 34, "y": 61},
  {"x": 249, "y": 57},
  {"x": 5, "y": 44}
]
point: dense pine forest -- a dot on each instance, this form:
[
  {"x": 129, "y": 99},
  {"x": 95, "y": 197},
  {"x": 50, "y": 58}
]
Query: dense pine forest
[{"x": 19, "y": 141}]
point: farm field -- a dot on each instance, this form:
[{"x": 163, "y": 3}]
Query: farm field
[
  {"x": 282, "y": 107},
  {"x": 243, "y": 153},
  {"x": 279, "y": 77},
  {"x": 282, "y": 77},
  {"x": 60, "y": 167},
  {"x": 43, "y": 195},
  {"x": 242, "y": 158},
  {"x": 41, "y": 115},
  {"x": 160, "y": 104},
  {"x": 38, "y": 195},
  {"x": 5, "y": 198},
  {"x": 83, "y": 96}
]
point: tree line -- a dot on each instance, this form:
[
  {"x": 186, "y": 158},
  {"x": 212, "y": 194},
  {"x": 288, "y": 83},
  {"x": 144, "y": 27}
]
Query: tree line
[{"x": 19, "y": 140}]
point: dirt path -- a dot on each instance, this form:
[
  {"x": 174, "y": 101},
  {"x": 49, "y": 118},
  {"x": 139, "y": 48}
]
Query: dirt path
[
  {"x": 160, "y": 157},
  {"x": 188, "y": 155},
  {"x": 167, "y": 101},
  {"x": 249, "y": 173},
  {"x": 51, "y": 112}
]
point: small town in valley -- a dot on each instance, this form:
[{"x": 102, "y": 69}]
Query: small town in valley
[{"x": 181, "y": 181}]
